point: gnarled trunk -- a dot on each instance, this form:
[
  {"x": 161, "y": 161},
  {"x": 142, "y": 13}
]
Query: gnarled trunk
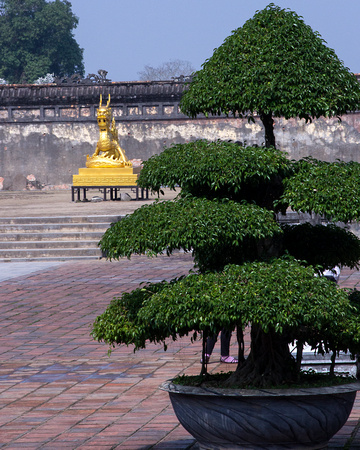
[
  {"x": 268, "y": 123},
  {"x": 269, "y": 363}
]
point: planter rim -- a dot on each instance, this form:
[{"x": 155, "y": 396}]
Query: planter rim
[{"x": 173, "y": 388}]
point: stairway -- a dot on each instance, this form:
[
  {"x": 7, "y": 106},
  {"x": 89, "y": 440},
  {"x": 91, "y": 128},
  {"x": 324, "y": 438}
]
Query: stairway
[{"x": 52, "y": 238}]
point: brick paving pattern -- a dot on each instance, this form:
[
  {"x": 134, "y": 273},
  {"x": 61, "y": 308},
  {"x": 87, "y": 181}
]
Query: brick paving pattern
[{"x": 59, "y": 389}]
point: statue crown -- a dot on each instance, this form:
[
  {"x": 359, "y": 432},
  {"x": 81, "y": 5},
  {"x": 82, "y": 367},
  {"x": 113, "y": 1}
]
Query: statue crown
[{"x": 104, "y": 112}]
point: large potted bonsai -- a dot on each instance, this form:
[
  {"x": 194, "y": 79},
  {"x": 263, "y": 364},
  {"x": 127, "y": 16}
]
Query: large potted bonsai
[{"x": 251, "y": 270}]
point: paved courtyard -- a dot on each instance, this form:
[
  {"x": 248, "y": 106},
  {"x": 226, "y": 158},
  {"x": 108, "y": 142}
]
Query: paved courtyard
[{"x": 59, "y": 389}]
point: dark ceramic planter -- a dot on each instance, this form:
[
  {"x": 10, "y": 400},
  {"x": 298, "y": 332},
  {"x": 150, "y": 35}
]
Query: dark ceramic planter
[{"x": 262, "y": 419}]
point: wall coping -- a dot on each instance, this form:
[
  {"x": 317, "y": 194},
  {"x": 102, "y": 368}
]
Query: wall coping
[
  {"x": 77, "y": 101},
  {"x": 85, "y": 94}
]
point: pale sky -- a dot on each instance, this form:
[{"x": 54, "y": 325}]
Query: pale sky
[{"x": 122, "y": 36}]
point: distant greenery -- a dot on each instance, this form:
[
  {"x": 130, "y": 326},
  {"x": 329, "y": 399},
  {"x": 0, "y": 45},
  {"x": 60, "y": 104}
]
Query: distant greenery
[{"x": 36, "y": 38}]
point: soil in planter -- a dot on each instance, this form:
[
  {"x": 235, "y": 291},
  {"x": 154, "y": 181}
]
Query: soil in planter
[{"x": 307, "y": 379}]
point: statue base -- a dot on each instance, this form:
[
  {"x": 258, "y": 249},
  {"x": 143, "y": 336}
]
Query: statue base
[{"x": 107, "y": 176}]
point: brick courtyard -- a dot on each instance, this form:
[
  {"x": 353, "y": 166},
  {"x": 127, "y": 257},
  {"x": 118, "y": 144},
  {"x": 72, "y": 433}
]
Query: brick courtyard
[{"x": 59, "y": 389}]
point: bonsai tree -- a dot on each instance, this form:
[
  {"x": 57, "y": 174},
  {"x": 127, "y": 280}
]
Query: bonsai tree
[
  {"x": 251, "y": 270},
  {"x": 275, "y": 66}
]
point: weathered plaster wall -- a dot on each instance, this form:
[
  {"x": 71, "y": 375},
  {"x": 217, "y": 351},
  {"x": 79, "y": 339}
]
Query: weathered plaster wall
[
  {"x": 325, "y": 139},
  {"x": 51, "y": 152},
  {"x": 48, "y": 132}
]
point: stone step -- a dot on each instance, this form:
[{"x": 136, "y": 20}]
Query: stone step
[
  {"x": 47, "y": 258},
  {"x": 8, "y": 245},
  {"x": 53, "y": 227},
  {"x": 52, "y": 252},
  {"x": 67, "y": 236},
  {"x": 52, "y": 238},
  {"x": 59, "y": 219}
]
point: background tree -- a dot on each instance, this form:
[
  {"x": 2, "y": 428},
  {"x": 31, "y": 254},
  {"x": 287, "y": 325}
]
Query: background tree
[
  {"x": 167, "y": 70},
  {"x": 273, "y": 66},
  {"x": 36, "y": 37}
]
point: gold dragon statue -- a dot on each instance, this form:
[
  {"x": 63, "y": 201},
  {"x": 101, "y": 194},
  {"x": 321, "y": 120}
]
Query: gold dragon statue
[{"x": 108, "y": 152}]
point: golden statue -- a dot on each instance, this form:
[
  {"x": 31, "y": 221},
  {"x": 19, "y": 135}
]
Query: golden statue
[
  {"x": 112, "y": 155},
  {"x": 108, "y": 166}
]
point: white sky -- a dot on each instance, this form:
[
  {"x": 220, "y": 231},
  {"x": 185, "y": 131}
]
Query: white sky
[{"x": 122, "y": 36}]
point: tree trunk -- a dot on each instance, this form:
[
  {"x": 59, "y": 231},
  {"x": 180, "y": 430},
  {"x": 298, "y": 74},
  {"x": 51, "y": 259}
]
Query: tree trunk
[
  {"x": 268, "y": 123},
  {"x": 299, "y": 354},
  {"x": 204, "y": 372},
  {"x": 332, "y": 365},
  {"x": 269, "y": 363},
  {"x": 241, "y": 343}
]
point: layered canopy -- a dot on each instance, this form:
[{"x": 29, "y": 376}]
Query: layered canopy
[{"x": 252, "y": 269}]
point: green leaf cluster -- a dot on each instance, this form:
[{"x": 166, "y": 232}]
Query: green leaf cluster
[
  {"x": 226, "y": 216},
  {"x": 120, "y": 323},
  {"x": 218, "y": 169},
  {"x": 274, "y": 64},
  {"x": 329, "y": 189},
  {"x": 36, "y": 37},
  {"x": 282, "y": 296},
  {"x": 216, "y": 231},
  {"x": 324, "y": 246}
]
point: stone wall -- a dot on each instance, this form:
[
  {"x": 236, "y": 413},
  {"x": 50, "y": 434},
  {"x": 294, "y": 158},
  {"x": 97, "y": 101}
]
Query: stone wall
[{"x": 46, "y": 131}]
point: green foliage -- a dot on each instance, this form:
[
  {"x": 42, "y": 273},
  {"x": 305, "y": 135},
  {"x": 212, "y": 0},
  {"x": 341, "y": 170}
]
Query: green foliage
[
  {"x": 36, "y": 37},
  {"x": 219, "y": 170},
  {"x": 216, "y": 231},
  {"x": 120, "y": 323},
  {"x": 329, "y": 189},
  {"x": 282, "y": 296},
  {"x": 276, "y": 66},
  {"x": 354, "y": 298},
  {"x": 325, "y": 246},
  {"x": 285, "y": 296},
  {"x": 226, "y": 217}
]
